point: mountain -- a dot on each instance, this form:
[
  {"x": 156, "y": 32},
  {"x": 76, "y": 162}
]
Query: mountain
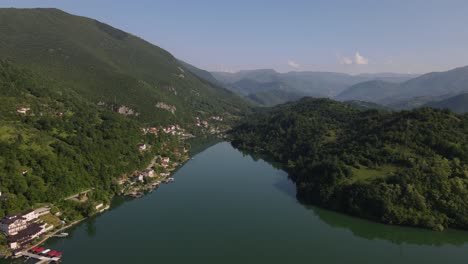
[
  {"x": 75, "y": 94},
  {"x": 412, "y": 93},
  {"x": 403, "y": 168},
  {"x": 389, "y": 76},
  {"x": 370, "y": 91},
  {"x": 458, "y": 103},
  {"x": 202, "y": 74},
  {"x": 363, "y": 105},
  {"x": 434, "y": 84},
  {"x": 287, "y": 86},
  {"x": 260, "y": 75},
  {"x": 274, "y": 97},
  {"x": 111, "y": 67},
  {"x": 54, "y": 143}
]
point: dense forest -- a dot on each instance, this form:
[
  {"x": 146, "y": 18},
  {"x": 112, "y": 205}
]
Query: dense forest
[
  {"x": 61, "y": 145},
  {"x": 404, "y": 168}
]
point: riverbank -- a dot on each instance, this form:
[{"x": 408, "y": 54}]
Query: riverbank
[
  {"x": 44, "y": 239},
  {"x": 144, "y": 187},
  {"x": 255, "y": 204}
]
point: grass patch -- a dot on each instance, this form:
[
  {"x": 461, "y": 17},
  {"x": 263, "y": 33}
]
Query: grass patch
[
  {"x": 364, "y": 174},
  {"x": 50, "y": 219}
]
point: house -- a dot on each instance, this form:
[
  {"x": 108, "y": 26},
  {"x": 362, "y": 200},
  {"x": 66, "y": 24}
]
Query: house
[
  {"x": 148, "y": 173},
  {"x": 164, "y": 174},
  {"x": 153, "y": 130},
  {"x": 142, "y": 146},
  {"x": 24, "y": 172},
  {"x": 30, "y": 215},
  {"x": 164, "y": 164},
  {"x": 26, "y": 235},
  {"x": 138, "y": 178},
  {"x": 11, "y": 225},
  {"x": 165, "y": 159},
  {"x": 23, "y": 110}
]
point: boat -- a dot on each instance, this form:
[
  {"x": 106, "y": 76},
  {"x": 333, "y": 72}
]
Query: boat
[
  {"x": 45, "y": 251},
  {"x": 61, "y": 235},
  {"x": 39, "y": 249}
]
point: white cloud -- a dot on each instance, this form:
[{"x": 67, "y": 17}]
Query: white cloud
[
  {"x": 360, "y": 60},
  {"x": 294, "y": 64}
]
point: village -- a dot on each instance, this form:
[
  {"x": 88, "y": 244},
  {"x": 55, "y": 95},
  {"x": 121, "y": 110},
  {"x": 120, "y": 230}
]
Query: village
[
  {"x": 25, "y": 232},
  {"x": 156, "y": 173}
]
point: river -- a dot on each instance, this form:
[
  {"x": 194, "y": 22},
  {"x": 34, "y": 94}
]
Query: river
[{"x": 225, "y": 207}]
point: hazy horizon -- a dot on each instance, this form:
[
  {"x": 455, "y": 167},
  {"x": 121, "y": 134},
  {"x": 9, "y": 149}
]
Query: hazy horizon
[{"x": 351, "y": 37}]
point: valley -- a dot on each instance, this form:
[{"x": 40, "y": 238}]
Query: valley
[{"x": 270, "y": 164}]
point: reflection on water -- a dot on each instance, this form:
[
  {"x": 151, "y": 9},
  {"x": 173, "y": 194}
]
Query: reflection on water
[
  {"x": 395, "y": 234},
  {"x": 228, "y": 208},
  {"x": 367, "y": 229}
]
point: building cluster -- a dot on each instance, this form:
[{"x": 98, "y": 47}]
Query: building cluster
[
  {"x": 150, "y": 130},
  {"x": 141, "y": 175},
  {"x": 173, "y": 130},
  {"x": 217, "y": 118},
  {"x": 202, "y": 123},
  {"x": 22, "y": 228},
  {"x": 150, "y": 173}
]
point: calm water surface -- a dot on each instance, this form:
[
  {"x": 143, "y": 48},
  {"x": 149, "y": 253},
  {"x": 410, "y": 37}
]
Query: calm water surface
[{"x": 225, "y": 207}]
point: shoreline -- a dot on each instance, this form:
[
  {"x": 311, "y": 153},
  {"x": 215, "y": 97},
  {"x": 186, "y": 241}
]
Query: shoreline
[{"x": 51, "y": 234}]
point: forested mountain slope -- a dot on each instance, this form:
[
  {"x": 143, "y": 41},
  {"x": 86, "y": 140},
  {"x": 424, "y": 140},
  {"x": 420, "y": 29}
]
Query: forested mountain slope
[
  {"x": 54, "y": 143},
  {"x": 107, "y": 65},
  {"x": 458, "y": 103},
  {"x": 405, "y": 168}
]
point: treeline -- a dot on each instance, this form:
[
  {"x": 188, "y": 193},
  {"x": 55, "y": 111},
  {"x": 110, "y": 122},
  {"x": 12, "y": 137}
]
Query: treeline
[
  {"x": 62, "y": 145},
  {"x": 405, "y": 168}
]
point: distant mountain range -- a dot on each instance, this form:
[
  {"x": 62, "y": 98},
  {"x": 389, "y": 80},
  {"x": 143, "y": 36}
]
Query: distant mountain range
[
  {"x": 425, "y": 90},
  {"x": 370, "y": 91},
  {"x": 268, "y": 87}
]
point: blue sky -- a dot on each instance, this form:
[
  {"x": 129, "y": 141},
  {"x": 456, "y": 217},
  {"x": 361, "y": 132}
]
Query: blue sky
[{"x": 414, "y": 36}]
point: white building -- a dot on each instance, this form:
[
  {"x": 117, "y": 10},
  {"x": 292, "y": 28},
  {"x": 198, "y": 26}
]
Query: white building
[
  {"x": 142, "y": 146},
  {"x": 11, "y": 225},
  {"x": 30, "y": 215}
]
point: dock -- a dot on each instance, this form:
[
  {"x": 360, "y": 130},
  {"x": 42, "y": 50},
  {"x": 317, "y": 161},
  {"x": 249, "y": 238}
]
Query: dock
[{"x": 39, "y": 257}]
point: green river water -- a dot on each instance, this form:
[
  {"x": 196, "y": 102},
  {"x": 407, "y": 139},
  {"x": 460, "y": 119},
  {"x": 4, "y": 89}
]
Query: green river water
[{"x": 225, "y": 207}]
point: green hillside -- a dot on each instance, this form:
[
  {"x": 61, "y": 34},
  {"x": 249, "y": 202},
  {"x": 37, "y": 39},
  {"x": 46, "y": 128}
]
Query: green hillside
[
  {"x": 61, "y": 144},
  {"x": 404, "y": 168},
  {"x": 107, "y": 65},
  {"x": 458, "y": 103}
]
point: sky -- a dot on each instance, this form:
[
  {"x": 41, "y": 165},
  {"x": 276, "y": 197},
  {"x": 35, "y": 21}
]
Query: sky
[{"x": 404, "y": 36}]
